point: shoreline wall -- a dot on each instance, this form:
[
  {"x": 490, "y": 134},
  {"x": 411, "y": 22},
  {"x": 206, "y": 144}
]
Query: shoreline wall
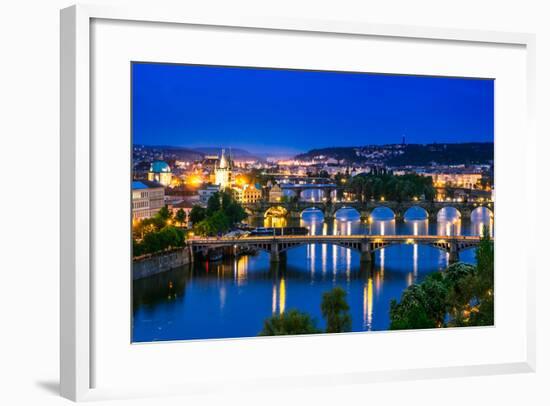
[{"x": 143, "y": 268}]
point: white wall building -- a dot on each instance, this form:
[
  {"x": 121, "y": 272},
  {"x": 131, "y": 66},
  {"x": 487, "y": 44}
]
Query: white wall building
[
  {"x": 147, "y": 199},
  {"x": 206, "y": 192}
]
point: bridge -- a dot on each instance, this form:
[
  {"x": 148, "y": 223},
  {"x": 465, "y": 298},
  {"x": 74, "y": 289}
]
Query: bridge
[
  {"x": 298, "y": 188},
  {"x": 367, "y": 245},
  {"x": 294, "y": 209}
]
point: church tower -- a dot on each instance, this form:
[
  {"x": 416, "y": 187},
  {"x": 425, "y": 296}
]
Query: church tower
[{"x": 223, "y": 172}]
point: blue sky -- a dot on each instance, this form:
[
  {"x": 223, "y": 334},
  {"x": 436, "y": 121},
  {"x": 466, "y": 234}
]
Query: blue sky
[{"x": 289, "y": 111}]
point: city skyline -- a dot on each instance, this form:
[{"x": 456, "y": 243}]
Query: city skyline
[{"x": 290, "y": 111}]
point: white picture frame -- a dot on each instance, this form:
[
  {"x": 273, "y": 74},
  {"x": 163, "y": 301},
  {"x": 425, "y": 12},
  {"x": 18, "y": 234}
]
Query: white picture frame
[{"x": 77, "y": 355}]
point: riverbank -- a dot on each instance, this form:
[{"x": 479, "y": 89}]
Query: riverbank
[{"x": 154, "y": 264}]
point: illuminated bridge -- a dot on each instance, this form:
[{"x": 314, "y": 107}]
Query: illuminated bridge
[{"x": 365, "y": 244}]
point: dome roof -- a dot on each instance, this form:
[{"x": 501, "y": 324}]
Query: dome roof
[{"x": 159, "y": 167}]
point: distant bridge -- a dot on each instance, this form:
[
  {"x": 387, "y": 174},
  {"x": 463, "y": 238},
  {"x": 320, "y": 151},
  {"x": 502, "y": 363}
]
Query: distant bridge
[
  {"x": 329, "y": 209},
  {"x": 367, "y": 245},
  {"x": 298, "y": 188}
]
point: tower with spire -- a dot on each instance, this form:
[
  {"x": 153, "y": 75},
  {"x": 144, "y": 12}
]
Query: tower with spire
[{"x": 224, "y": 171}]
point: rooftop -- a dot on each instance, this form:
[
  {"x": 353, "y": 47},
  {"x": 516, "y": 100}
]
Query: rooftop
[
  {"x": 159, "y": 166},
  {"x": 145, "y": 184}
]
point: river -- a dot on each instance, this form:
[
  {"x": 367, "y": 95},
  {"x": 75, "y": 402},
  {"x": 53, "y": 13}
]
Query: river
[{"x": 232, "y": 297}]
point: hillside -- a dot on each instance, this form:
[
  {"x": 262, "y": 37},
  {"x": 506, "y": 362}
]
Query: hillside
[{"x": 410, "y": 154}]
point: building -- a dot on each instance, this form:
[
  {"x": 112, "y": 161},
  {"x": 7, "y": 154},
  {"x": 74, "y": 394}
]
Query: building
[
  {"x": 275, "y": 194},
  {"x": 224, "y": 172},
  {"x": 147, "y": 199},
  {"x": 455, "y": 179},
  {"x": 160, "y": 172},
  {"x": 184, "y": 205},
  {"x": 206, "y": 193},
  {"x": 248, "y": 194}
]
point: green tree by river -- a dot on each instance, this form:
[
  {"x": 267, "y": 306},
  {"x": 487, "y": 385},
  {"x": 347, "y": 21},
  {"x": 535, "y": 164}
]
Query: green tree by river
[
  {"x": 391, "y": 187},
  {"x": 335, "y": 310},
  {"x": 461, "y": 296},
  {"x": 156, "y": 234},
  {"x": 221, "y": 213}
]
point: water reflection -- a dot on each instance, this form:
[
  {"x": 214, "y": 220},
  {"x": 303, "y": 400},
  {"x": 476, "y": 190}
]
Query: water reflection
[
  {"x": 275, "y": 221},
  {"x": 383, "y": 227},
  {"x": 282, "y": 296},
  {"x": 367, "y": 304},
  {"x": 416, "y": 227},
  {"x": 481, "y": 217}
]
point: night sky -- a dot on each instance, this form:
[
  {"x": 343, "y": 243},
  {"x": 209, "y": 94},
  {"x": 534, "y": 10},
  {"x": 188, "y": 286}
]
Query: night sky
[{"x": 273, "y": 111}]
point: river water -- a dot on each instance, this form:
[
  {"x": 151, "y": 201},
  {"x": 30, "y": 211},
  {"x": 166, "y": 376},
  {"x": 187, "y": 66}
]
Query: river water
[{"x": 232, "y": 297}]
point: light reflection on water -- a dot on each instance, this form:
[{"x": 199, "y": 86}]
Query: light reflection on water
[{"x": 231, "y": 298}]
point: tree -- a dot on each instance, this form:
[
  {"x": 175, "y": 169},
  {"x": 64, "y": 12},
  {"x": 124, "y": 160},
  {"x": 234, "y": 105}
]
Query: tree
[
  {"x": 152, "y": 243},
  {"x": 291, "y": 322},
  {"x": 463, "y": 294},
  {"x": 164, "y": 213},
  {"x": 398, "y": 188},
  {"x": 483, "y": 313},
  {"x": 485, "y": 258},
  {"x": 335, "y": 310},
  {"x": 180, "y": 216},
  {"x": 158, "y": 241},
  {"x": 436, "y": 295},
  {"x": 457, "y": 271},
  {"x": 197, "y": 214},
  {"x": 210, "y": 226},
  {"x": 213, "y": 204},
  {"x": 412, "y": 311}
]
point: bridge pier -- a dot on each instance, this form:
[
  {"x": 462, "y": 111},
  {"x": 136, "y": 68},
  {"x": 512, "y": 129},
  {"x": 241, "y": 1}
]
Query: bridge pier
[
  {"x": 275, "y": 255},
  {"x": 453, "y": 254},
  {"x": 367, "y": 255}
]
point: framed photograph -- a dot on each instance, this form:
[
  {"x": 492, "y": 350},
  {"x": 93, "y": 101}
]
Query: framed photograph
[{"x": 266, "y": 202}]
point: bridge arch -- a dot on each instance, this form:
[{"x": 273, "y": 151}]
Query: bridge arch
[
  {"x": 481, "y": 213},
  {"x": 449, "y": 221},
  {"x": 312, "y": 214},
  {"x": 346, "y": 213},
  {"x": 276, "y": 211},
  {"x": 480, "y": 218},
  {"x": 416, "y": 213},
  {"x": 448, "y": 213},
  {"x": 382, "y": 213}
]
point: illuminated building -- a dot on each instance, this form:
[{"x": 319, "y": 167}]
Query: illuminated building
[
  {"x": 248, "y": 194},
  {"x": 224, "y": 172},
  {"x": 147, "y": 199},
  {"x": 275, "y": 194},
  {"x": 455, "y": 179},
  {"x": 160, "y": 172}
]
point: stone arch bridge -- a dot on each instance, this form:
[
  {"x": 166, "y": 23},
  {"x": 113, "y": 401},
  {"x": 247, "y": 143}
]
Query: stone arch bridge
[
  {"x": 295, "y": 209},
  {"x": 367, "y": 245}
]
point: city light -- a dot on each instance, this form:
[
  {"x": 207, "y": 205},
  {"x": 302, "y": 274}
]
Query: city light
[{"x": 194, "y": 180}]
